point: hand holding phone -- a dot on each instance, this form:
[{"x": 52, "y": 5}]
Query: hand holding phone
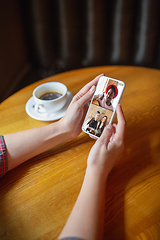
[{"x": 103, "y": 105}]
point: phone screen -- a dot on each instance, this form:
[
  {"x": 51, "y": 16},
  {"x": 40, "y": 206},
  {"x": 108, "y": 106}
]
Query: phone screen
[{"x": 103, "y": 105}]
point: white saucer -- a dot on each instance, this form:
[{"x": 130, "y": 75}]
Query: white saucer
[{"x": 47, "y": 116}]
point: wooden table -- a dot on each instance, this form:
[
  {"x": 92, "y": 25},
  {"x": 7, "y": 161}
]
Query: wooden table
[{"x": 36, "y": 198}]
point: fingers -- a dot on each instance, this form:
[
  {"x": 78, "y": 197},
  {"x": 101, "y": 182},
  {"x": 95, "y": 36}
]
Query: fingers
[
  {"x": 93, "y": 137},
  {"x": 106, "y": 134},
  {"x": 90, "y": 84},
  {"x": 120, "y": 129},
  {"x": 87, "y": 87},
  {"x": 87, "y": 96}
]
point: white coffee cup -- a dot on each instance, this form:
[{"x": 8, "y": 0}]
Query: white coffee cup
[{"x": 50, "y": 97}]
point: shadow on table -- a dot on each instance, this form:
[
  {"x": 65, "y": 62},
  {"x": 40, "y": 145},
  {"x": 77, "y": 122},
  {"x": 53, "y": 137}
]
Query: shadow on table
[
  {"x": 20, "y": 171},
  {"x": 136, "y": 157},
  {"x": 24, "y": 179}
]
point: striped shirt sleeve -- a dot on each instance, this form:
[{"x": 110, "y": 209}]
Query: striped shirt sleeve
[{"x": 3, "y": 157}]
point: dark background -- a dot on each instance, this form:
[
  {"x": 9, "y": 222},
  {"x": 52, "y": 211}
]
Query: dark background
[{"x": 39, "y": 38}]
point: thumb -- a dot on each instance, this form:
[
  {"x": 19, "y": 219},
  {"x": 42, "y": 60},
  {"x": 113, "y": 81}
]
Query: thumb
[
  {"x": 106, "y": 134},
  {"x": 87, "y": 96}
]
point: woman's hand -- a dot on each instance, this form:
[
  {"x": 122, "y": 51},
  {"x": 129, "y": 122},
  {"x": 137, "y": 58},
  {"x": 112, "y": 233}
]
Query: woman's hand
[
  {"x": 74, "y": 117},
  {"x": 108, "y": 147}
]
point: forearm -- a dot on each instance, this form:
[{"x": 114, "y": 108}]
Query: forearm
[
  {"x": 87, "y": 218},
  {"x": 24, "y": 145}
]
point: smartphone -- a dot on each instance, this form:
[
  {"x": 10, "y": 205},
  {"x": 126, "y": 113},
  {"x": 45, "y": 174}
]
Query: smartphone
[{"x": 103, "y": 105}]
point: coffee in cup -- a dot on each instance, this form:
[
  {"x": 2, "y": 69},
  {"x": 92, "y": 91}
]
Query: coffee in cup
[{"x": 50, "y": 97}]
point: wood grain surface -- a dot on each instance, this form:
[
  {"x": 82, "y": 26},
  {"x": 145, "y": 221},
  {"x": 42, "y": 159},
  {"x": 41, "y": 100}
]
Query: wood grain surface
[{"x": 37, "y": 197}]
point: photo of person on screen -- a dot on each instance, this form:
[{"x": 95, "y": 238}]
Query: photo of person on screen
[
  {"x": 104, "y": 99},
  {"x": 92, "y": 123},
  {"x": 101, "y": 125}
]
